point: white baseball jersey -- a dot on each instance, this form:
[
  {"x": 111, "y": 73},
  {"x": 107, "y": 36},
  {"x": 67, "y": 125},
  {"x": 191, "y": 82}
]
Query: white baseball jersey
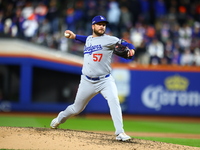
[
  {"x": 97, "y": 59},
  {"x": 97, "y": 55}
]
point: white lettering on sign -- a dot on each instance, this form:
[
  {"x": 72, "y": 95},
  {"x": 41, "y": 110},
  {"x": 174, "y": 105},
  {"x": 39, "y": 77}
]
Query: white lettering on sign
[
  {"x": 155, "y": 97},
  {"x": 5, "y": 106}
]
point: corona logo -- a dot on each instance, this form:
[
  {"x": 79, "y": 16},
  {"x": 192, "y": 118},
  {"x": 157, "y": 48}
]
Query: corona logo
[{"x": 176, "y": 83}]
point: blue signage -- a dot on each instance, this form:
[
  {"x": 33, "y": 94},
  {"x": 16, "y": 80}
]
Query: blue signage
[{"x": 169, "y": 93}]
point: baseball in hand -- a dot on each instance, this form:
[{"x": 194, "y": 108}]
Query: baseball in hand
[{"x": 66, "y": 35}]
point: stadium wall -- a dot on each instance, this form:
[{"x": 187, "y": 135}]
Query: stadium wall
[{"x": 49, "y": 84}]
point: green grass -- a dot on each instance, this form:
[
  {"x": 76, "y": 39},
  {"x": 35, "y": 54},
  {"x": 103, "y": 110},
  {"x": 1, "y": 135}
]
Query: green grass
[
  {"x": 164, "y": 127},
  {"x": 81, "y": 123}
]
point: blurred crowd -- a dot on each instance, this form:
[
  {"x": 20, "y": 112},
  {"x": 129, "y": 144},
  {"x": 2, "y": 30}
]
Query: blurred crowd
[{"x": 163, "y": 31}]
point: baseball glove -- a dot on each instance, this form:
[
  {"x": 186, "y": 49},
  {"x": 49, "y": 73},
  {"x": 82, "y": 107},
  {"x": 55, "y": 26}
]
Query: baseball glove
[{"x": 121, "y": 50}]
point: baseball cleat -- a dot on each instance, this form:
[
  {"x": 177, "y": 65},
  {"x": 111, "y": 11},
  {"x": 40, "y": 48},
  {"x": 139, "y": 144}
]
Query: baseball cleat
[
  {"x": 123, "y": 137},
  {"x": 54, "y": 123}
]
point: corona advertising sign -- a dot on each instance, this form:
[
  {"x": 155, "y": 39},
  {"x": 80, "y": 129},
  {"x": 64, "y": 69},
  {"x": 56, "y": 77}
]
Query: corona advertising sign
[{"x": 174, "y": 93}]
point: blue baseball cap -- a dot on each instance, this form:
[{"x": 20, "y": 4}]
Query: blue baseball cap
[{"x": 98, "y": 19}]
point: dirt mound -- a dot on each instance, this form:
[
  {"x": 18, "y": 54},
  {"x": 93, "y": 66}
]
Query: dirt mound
[{"x": 64, "y": 139}]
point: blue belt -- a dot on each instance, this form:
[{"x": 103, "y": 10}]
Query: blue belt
[{"x": 98, "y": 78}]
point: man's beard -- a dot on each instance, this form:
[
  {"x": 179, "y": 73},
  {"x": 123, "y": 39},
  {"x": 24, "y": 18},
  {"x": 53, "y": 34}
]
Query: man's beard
[{"x": 98, "y": 33}]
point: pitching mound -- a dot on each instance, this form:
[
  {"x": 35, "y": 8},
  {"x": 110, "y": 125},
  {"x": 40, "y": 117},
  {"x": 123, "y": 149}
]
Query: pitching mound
[{"x": 63, "y": 139}]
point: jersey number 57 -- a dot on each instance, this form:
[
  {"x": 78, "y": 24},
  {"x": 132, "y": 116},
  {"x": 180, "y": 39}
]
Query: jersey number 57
[{"x": 97, "y": 57}]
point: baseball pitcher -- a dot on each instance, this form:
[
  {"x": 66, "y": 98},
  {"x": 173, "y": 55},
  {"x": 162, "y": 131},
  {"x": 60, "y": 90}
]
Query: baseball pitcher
[{"x": 96, "y": 74}]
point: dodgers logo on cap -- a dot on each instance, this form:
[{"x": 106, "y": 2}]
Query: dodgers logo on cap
[{"x": 98, "y": 19}]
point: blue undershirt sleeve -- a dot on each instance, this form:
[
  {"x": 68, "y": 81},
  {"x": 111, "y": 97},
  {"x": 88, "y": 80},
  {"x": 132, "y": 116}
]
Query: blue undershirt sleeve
[
  {"x": 81, "y": 38},
  {"x": 129, "y": 45}
]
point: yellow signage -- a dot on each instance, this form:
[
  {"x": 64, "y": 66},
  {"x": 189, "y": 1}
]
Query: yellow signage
[{"x": 176, "y": 83}]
